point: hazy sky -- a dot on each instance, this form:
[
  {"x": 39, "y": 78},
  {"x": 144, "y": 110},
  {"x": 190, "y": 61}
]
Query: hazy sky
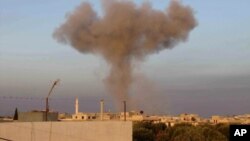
[{"x": 208, "y": 74}]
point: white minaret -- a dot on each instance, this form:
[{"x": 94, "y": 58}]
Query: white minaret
[
  {"x": 76, "y": 106},
  {"x": 101, "y": 109}
]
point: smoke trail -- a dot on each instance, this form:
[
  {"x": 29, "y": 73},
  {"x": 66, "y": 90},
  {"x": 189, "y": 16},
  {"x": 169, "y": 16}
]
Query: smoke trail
[{"x": 125, "y": 33}]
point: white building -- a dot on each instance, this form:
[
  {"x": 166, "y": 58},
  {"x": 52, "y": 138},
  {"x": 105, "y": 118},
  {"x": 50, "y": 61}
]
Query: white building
[{"x": 91, "y": 116}]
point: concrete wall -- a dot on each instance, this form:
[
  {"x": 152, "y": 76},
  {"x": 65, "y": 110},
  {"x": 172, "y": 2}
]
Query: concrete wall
[{"x": 67, "y": 131}]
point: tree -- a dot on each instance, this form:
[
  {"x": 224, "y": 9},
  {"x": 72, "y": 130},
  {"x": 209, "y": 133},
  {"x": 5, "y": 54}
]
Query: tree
[
  {"x": 144, "y": 124},
  {"x": 162, "y": 136},
  {"x": 148, "y": 131},
  {"x": 143, "y": 134},
  {"x": 15, "y": 115},
  {"x": 223, "y": 129},
  {"x": 211, "y": 134},
  {"x": 187, "y": 133},
  {"x": 158, "y": 127}
]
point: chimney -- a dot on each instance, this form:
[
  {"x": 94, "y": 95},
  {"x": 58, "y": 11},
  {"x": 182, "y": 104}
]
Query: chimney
[
  {"x": 76, "y": 106},
  {"x": 101, "y": 108}
]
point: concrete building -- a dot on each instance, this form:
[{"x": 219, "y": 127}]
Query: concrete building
[
  {"x": 137, "y": 116},
  {"x": 227, "y": 119},
  {"x": 92, "y": 116},
  {"x": 245, "y": 119},
  {"x": 169, "y": 120},
  {"x": 37, "y": 116},
  {"x": 131, "y": 116},
  {"x": 190, "y": 118},
  {"x": 84, "y": 116},
  {"x": 6, "y": 119},
  {"x": 64, "y": 116},
  {"x": 193, "y": 119}
]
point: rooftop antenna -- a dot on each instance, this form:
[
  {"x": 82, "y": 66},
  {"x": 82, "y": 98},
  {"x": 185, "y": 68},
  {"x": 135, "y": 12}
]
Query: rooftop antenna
[
  {"x": 47, "y": 98},
  {"x": 124, "y": 108}
]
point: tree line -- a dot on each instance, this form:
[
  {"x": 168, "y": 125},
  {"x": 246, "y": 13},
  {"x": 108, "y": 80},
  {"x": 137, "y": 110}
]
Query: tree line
[{"x": 148, "y": 131}]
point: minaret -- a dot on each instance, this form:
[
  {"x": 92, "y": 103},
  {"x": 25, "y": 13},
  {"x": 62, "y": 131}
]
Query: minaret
[
  {"x": 76, "y": 106},
  {"x": 101, "y": 109}
]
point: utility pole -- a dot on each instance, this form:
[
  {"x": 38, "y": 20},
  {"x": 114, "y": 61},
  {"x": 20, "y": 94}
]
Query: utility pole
[
  {"x": 47, "y": 98},
  {"x": 124, "y": 107}
]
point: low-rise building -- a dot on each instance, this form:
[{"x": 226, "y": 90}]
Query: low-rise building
[
  {"x": 37, "y": 116},
  {"x": 84, "y": 116}
]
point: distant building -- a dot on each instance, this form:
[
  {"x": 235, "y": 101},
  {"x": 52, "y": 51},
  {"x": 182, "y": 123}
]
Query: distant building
[
  {"x": 228, "y": 119},
  {"x": 92, "y": 116},
  {"x": 64, "y": 116},
  {"x": 137, "y": 116},
  {"x": 6, "y": 119},
  {"x": 131, "y": 116},
  {"x": 169, "y": 120},
  {"x": 245, "y": 119},
  {"x": 84, "y": 116},
  {"x": 37, "y": 116},
  {"x": 190, "y": 118}
]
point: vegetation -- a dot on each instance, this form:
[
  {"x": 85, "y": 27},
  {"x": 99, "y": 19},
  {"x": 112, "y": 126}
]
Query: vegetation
[
  {"x": 15, "y": 115},
  {"x": 148, "y": 131}
]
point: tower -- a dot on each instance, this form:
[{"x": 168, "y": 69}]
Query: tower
[
  {"x": 101, "y": 109},
  {"x": 76, "y": 106}
]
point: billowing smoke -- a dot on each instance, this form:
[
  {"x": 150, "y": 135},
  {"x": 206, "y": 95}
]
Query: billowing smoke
[{"x": 125, "y": 33}]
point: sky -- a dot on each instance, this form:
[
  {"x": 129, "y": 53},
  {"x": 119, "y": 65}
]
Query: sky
[{"x": 208, "y": 74}]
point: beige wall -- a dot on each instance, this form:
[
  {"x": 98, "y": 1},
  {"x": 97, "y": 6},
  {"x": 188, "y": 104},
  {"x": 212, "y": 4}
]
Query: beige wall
[{"x": 67, "y": 131}]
